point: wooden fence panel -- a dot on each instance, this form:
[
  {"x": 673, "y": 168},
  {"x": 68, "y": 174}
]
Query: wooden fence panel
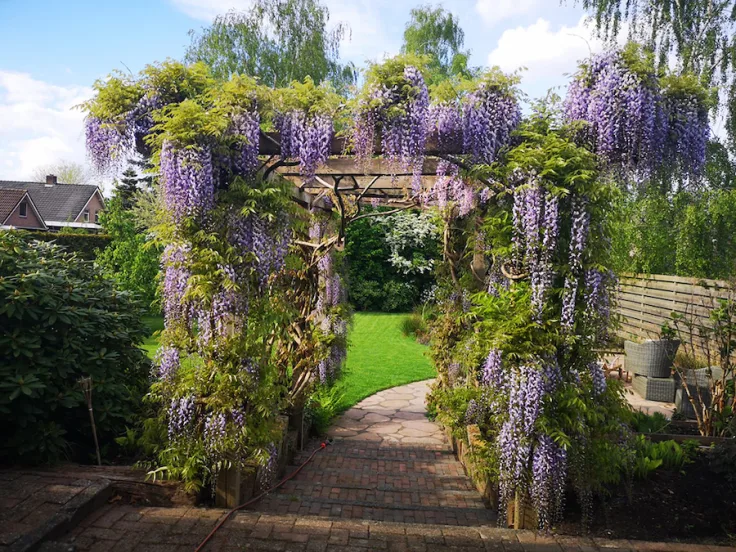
[{"x": 646, "y": 301}]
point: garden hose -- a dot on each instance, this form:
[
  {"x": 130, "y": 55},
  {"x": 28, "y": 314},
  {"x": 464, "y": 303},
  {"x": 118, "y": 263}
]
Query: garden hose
[{"x": 222, "y": 521}]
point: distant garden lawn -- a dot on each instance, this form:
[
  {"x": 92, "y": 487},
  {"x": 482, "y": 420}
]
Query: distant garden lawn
[{"x": 379, "y": 356}]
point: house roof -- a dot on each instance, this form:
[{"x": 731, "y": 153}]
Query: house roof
[
  {"x": 9, "y": 199},
  {"x": 60, "y": 202}
]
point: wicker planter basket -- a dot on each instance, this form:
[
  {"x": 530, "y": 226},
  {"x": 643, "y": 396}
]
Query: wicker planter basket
[
  {"x": 655, "y": 389},
  {"x": 652, "y": 359}
]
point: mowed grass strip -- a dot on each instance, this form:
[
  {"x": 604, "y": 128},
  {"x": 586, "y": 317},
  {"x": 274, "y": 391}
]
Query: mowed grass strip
[{"x": 380, "y": 357}]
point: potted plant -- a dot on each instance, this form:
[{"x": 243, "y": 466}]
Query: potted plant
[{"x": 653, "y": 358}]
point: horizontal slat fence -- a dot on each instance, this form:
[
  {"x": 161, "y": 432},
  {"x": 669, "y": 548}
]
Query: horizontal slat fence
[{"x": 646, "y": 301}]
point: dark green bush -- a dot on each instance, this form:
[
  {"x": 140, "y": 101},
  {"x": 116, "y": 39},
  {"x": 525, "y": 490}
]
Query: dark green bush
[
  {"x": 60, "y": 320},
  {"x": 86, "y": 245},
  {"x": 374, "y": 283}
]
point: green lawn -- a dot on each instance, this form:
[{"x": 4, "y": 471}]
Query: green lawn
[
  {"x": 155, "y": 323},
  {"x": 379, "y": 357}
]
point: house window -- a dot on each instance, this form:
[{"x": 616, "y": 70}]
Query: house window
[
  {"x": 85, "y": 215},
  {"x": 23, "y": 209},
  {"x": 97, "y": 217}
]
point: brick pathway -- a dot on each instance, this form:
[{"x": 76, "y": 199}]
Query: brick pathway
[{"x": 387, "y": 463}]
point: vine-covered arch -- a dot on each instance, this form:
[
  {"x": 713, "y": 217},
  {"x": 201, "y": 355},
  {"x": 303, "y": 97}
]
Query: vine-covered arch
[{"x": 255, "y": 306}]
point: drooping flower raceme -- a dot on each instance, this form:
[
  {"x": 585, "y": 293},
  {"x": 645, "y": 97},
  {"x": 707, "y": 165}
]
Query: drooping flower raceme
[
  {"x": 167, "y": 359},
  {"x": 547, "y": 491},
  {"x": 174, "y": 262},
  {"x": 634, "y": 124},
  {"x": 489, "y": 116},
  {"x": 246, "y": 126},
  {"x": 305, "y": 137},
  {"x": 107, "y": 143},
  {"x": 493, "y": 371},
  {"x": 578, "y": 242},
  {"x": 188, "y": 185},
  {"x": 181, "y": 416}
]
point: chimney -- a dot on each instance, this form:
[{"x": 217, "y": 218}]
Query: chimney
[{"x": 50, "y": 180}]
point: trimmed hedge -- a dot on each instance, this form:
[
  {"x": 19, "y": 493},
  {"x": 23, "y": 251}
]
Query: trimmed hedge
[{"x": 85, "y": 245}]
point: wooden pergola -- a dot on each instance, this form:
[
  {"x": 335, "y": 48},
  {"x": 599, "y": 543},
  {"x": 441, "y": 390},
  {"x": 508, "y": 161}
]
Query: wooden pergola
[{"x": 376, "y": 180}]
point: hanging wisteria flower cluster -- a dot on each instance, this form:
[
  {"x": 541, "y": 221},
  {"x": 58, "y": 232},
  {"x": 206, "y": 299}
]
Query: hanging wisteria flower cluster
[
  {"x": 188, "y": 185},
  {"x": 450, "y": 192},
  {"x": 636, "y": 123},
  {"x": 536, "y": 229},
  {"x": 578, "y": 243},
  {"x": 402, "y": 113},
  {"x": 307, "y": 138},
  {"x": 246, "y": 125},
  {"x": 489, "y": 116}
]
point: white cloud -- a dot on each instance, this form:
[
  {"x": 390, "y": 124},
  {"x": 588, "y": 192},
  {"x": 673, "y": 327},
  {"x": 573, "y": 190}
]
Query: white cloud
[
  {"x": 546, "y": 53},
  {"x": 39, "y": 125},
  {"x": 207, "y": 10},
  {"x": 494, "y": 11}
]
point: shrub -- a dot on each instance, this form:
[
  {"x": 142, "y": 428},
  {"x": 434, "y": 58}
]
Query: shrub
[
  {"x": 85, "y": 245},
  {"x": 131, "y": 257},
  {"x": 390, "y": 261},
  {"x": 413, "y": 325},
  {"x": 61, "y": 320}
]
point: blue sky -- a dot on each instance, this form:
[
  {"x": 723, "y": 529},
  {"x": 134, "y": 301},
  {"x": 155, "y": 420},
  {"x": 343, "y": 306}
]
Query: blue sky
[{"x": 51, "y": 51}]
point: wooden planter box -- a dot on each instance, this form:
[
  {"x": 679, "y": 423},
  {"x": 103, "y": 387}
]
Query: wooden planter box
[
  {"x": 519, "y": 513},
  {"x": 236, "y": 486}
]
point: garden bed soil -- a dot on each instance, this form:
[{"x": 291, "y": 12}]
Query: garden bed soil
[{"x": 696, "y": 505}]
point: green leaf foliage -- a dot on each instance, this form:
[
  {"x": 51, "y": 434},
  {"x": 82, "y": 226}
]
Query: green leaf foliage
[
  {"x": 277, "y": 41},
  {"x": 61, "y": 320}
]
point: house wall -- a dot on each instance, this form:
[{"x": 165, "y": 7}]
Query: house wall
[
  {"x": 95, "y": 206},
  {"x": 31, "y": 222}
]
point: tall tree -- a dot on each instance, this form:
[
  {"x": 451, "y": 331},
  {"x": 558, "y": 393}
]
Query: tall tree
[
  {"x": 126, "y": 188},
  {"x": 436, "y": 33},
  {"x": 700, "y": 34},
  {"x": 278, "y": 41},
  {"x": 67, "y": 172}
]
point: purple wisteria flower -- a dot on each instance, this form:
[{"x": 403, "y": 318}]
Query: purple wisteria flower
[
  {"x": 188, "y": 184},
  {"x": 181, "y": 416},
  {"x": 307, "y": 138},
  {"x": 633, "y": 123},
  {"x": 214, "y": 431},
  {"x": 167, "y": 359},
  {"x": 448, "y": 125},
  {"x": 107, "y": 143},
  {"x": 246, "y": 126},
  {"x": 268, "y": 472},
  {"x": 547, "y": 491},
  {"x": 598, "y": 376},
  {"x": 176, "y": 276},
  {"x": 493, "y": 375},
  {"x": 489, "y": 117}
]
